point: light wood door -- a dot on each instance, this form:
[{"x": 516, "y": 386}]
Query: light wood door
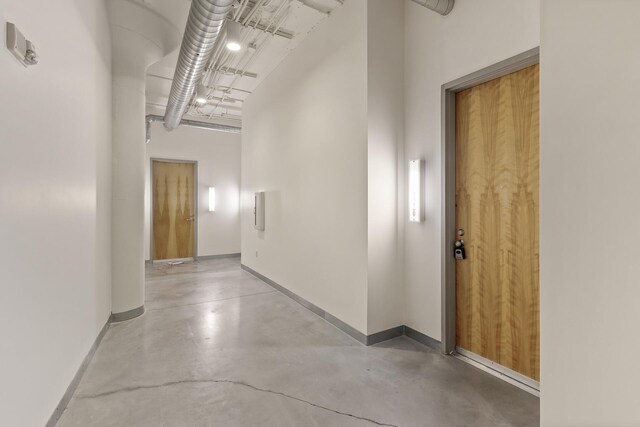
[
  {"x": 497, "y": 188},
  {"x": 173, "y": 210}
]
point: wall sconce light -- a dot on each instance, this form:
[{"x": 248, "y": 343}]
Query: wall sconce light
[
  {"x": 415, "y": 190},
  {"x": 258, "y": 211},
  {"x": 212, "y": 199}
]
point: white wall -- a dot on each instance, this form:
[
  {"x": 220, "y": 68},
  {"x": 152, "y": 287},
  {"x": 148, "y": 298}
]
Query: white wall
[
  {"x": 218, "y": 157},
  {"x": 590, "y": 152},
  {"x": 385, "y": 96},
  {"x": 55, "y": 139},
  {"x": 439, "y": 49},
  {"x": 304, "y": 142}
]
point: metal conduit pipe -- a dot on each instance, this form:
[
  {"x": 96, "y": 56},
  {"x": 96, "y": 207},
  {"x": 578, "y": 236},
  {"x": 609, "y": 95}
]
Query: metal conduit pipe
[
  {"x": 191, "y": 123},
  {"x": 443, "y": 7},
  {"x": 203, "y": 26}
]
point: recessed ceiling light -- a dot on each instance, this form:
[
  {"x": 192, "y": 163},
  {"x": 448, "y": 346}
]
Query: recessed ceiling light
[
  {"x": 233, "y": 46},
  {"x": 201, "y": 94},
  {"x": 233, "y": 36}
]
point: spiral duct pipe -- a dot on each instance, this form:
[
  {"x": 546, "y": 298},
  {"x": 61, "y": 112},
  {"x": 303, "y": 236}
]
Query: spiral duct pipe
[
  {"x": 206, "y": 18},
  {"x": 443, "y": 7}
]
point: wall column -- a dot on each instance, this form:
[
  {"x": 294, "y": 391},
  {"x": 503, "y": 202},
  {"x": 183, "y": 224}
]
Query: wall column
[{"x": 139, "y": 37}]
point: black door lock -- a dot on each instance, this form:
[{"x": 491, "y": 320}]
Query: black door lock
[{"x": 458, "y": 250}]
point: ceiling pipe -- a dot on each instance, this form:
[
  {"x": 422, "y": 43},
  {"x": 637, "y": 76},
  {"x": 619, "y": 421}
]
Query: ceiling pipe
[
  {"x": 203, "y": 26},
  {"x": 190, "y": 123},
  {"x": 443, "y": 7}
]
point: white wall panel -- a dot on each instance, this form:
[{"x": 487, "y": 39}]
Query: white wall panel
[
  {"x": 55, "y": 202},
  {"x": 304, "y": 143},
  {"x": 589, "y": 209}
]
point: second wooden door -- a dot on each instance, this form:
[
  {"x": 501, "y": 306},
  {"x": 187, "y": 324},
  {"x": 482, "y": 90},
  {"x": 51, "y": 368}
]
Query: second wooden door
[
  {"x": 497, "y": 172},
  {"x": 173, "y": 187}
]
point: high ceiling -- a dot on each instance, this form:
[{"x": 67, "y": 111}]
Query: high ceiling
[{"x": 270, "y": 30}]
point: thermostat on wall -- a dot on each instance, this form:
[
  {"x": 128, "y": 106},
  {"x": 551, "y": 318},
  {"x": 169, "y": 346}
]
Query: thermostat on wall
[{"x": 24, "y": 50}]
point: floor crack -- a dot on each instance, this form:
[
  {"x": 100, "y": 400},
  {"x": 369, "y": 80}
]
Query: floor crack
[
  {"x": 238, "y": 383},
  {"x": 205, "y": 302}
]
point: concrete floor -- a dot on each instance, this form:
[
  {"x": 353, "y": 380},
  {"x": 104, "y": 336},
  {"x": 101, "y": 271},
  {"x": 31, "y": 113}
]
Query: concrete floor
[{"x": 218, "y": 347}]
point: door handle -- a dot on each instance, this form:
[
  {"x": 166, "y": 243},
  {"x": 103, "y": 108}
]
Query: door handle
[{"x": 191, "y": 218}]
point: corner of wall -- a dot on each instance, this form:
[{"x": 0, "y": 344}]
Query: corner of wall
[{"x": 385, "y": 141}]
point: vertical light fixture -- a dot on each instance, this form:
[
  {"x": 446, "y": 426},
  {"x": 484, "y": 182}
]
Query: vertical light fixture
[
  {"x": 212, "y": 199},
  {"x": 201, "y": 94},
  {"x": 234, "y": 43},
  {"x": 415, "y": 191}
]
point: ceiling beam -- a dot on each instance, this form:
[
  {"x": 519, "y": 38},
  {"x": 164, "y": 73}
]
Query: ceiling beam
[
  {"x": 229, "y": 70},
  {"x": 209, "y": 105},
  {"x": 312, "y": 5},
  {"x": 262, "y": 27},
  {"x": 157, "y": 96}
]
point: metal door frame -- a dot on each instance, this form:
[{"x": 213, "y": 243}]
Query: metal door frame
[
  {"x": 448, "y": 167},
  {"x": 195, "y": 201}
]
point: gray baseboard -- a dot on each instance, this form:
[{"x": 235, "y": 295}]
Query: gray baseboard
[
  {"x": 57, "y": 413},
  {"x": 347, "y": 329},
  {"x": 381, "y": 336},
  {"x": 422, "y": 338},
  {"x": 376, "y": 338},
  {"x": 66, "y": 398},
  {"x": 206, "y": 257},
  {"x": 127, "y": 315}
]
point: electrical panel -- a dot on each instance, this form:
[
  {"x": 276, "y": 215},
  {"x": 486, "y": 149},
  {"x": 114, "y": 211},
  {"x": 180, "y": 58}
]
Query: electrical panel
[{"x": 258, "y": 211}]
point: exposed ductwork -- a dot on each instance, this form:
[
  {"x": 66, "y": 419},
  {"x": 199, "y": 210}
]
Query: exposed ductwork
[
  {"x": 203, "y": 26},
  {"x": 443, "y": 7},
  {"x": 191, "y": 123}
]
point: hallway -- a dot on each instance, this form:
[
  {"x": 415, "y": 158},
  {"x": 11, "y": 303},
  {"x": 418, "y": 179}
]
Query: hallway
[{"x": 217, "y": 346}]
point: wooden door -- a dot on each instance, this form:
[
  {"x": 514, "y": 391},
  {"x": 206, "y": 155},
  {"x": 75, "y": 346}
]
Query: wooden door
[
  {"x": 497, "y": 186},
  {"x": 173, "y": 210}
]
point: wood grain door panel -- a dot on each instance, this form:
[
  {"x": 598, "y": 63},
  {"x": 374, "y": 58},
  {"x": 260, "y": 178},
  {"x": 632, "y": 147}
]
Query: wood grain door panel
[
  {"x": 173, "y": 210},
  {"x": 497, "y": 205}
]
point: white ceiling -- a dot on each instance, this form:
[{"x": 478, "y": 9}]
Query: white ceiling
[{"x": 262, "y": 53}]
